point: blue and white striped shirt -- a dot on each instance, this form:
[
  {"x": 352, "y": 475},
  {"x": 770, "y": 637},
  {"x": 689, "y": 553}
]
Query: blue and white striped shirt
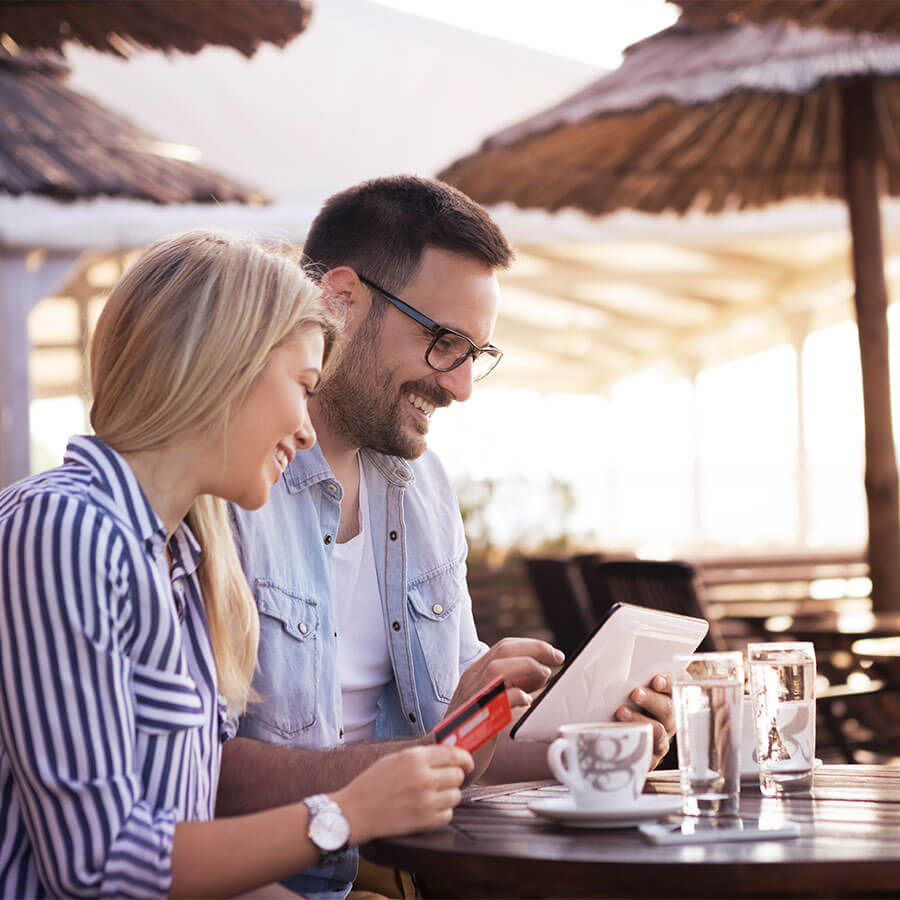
[{"x": 110, "y": 722}]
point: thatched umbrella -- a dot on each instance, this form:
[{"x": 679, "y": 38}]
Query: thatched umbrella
[
  {"x": 58, "y": 143},
  {"x": 879, "y": 16},
  {"x": 736, "y": 117},
  {"x": 121, "y": 26}
]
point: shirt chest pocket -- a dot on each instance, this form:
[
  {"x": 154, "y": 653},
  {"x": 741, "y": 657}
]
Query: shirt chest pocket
[
  {"x": 287, "y": 678},
  {"x": 436, "y": 604},
  {"x": 165, "y": 701}
]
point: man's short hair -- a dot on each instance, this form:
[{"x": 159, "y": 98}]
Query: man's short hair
[{"x": 381, "y": 228}]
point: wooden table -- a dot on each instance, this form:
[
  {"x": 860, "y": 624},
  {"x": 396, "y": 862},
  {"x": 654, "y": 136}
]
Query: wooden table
[
  {"x": 495, "y": 847},
  {"x": 833, "y": 630},
  {"x": 884, "y": 651}
]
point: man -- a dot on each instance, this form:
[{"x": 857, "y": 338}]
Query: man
[{"x": 358, "y": 560}]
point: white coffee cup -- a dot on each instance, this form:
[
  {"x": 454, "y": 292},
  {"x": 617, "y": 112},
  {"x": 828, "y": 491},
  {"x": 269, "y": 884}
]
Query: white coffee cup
[{"x": 603, "y": 764}]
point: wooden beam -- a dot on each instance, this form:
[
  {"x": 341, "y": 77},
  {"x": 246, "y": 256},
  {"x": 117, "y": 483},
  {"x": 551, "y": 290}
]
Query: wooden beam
[
  {"x": 864, "y": 178},
  {"x": 740, "y": 264},
  {"x": 537, "y": 340},
  {"x": 675, "y": 287},
  {"x": 15, "y": 392},
  {"x": 551, "y": 289},
  {"x": 23, "y": 282},
  {"x": 738, "y": 261}
]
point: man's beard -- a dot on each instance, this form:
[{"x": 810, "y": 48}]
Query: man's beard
[{"x": 359, "y": 403}]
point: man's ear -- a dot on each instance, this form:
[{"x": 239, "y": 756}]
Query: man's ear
[{"x": 345, "y": 296}]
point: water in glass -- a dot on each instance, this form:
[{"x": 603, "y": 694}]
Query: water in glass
[
  {"x": 784, "y": 713},
  {"x": 708, "y": 718}
]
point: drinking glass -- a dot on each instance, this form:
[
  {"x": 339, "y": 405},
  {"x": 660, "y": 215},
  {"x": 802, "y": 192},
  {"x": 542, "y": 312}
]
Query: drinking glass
[
  {"x": 708, "y": 693},
  {"x": 783, "y": 687}
]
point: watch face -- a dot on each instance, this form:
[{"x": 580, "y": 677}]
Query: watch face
[{"x": 329, "y": 830}]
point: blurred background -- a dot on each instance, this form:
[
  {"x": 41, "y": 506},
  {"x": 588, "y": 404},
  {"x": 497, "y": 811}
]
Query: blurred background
[
  {"x": 682, "y": 378},
  {"x": 628, "y": 413}
]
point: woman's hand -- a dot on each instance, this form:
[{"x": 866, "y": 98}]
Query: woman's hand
[{"x": 413, "y": 790}]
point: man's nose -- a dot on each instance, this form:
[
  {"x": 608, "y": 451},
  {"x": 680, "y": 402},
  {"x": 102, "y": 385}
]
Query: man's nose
[
  {"x": 458, "y": 381},
  {"x": 305, "y": 435}
]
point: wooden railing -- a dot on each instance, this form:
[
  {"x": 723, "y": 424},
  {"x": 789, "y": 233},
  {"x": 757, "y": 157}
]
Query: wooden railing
[
  {"x": 758, "y": 586},
  {"x": 745, "y": 588}
]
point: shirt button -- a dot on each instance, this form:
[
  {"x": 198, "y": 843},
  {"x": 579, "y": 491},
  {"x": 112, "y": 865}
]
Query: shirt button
[
  {"x": 437, "y": 609},
  {"x": 341, "y": 734},
  {"x": 395, "y": 626},
  {"x": 327, "y": 538},
  {"x": 412, "y": 717},
  {"x": 332, "y": 486},
  {"x": 393, "y": 535},
  {"x": 302, "y": 628}
]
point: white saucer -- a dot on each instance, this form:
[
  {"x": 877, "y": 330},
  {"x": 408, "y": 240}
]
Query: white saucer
[
  {"x": 563, "y": 810},
  {"x": 754, "y": 773}
]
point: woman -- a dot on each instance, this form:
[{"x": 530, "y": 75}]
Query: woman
[{"x": 128, "y": 634}]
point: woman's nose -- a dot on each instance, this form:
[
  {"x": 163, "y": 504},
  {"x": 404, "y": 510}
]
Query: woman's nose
[{"x": 305, "y": 435}]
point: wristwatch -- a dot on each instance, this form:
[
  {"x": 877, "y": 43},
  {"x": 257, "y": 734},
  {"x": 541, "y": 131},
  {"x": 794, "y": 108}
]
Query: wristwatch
[{"x": 328, "y": 829}]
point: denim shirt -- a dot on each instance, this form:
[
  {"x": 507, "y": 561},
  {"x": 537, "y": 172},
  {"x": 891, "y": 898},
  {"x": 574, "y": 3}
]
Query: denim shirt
[{"x": 420, "y": 559}]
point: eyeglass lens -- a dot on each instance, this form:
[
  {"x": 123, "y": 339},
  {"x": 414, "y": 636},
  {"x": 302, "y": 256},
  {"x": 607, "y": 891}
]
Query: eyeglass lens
[{"x": 449, "y": 350}]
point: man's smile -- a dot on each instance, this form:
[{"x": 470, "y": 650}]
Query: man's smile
[{"x": 421, "y": 404}]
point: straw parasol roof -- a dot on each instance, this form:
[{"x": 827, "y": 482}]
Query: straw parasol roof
[
  {"x": 736, "y": 116},
  {"x": 851, "y": 15},
  {"x": 745, "y": 119},
  {"x": 119, "y": 27},
  {"x": 58, "y": 143}
]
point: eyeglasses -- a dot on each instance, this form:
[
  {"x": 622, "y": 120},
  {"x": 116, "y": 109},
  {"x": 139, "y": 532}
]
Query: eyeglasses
[{"x": 448, "y": 348}]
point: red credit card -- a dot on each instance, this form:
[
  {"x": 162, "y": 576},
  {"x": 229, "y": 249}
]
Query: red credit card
[{"x": 477, "y": 720}]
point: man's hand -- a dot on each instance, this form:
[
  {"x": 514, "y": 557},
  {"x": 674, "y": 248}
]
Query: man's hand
[
  {"x": 524, "y": 664},
  {"x": 656, "y": 702}
]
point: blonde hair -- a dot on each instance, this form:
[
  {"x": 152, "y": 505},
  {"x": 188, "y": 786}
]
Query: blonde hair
[{"x": 181, "y": 339}]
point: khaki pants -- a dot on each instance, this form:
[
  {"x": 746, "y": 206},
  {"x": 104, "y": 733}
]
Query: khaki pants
[{"x": 375, "y": 882}]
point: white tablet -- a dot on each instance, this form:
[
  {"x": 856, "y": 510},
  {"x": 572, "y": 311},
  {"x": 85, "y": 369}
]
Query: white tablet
[{"x": 629, "y": 647}]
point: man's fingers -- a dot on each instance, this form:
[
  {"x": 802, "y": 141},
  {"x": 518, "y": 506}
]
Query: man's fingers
[
  {"x": 518, "y": 699},
  {"x": 657, "y": 705},
  {"x": 660, "y": 740},
  {"x": 523, "y": 663},
  {"x": 537, "y": 649},
  {"x": 519, "y": 671},
  {"x": 660, "y": 737}
]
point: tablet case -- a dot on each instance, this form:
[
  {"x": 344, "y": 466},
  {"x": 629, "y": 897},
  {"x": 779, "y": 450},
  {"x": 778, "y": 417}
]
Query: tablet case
[{"x": 629, "y": 647}]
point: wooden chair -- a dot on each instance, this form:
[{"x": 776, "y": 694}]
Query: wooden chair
[
  {"x": 666, "y": 586},
  {"x": 563, "y": 599},
  {"x": 849, "y": 717},
  {"x": 586, "y": 563}
]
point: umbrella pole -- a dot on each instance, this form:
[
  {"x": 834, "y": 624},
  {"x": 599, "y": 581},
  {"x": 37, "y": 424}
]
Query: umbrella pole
[{"x": 863, "y": 178}]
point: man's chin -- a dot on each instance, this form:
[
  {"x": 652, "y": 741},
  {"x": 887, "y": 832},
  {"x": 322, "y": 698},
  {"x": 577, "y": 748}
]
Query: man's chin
[
  {"x": 407, "y": 444},
  {"x": 411, "y": 446},
  {"x": 416, "y": 451}
]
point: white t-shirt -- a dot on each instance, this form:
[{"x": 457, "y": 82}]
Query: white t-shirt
[{"x": 363, "y": 661}]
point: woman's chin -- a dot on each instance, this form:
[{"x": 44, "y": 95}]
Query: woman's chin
[{"x": 254, "y": 499}]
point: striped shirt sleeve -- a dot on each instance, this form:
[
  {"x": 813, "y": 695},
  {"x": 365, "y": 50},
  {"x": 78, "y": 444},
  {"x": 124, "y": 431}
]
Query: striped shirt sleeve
[{"x": 67, "y": 711}]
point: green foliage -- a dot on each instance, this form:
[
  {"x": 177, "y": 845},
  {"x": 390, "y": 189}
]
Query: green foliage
[{"x": 514, "y": 514}]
